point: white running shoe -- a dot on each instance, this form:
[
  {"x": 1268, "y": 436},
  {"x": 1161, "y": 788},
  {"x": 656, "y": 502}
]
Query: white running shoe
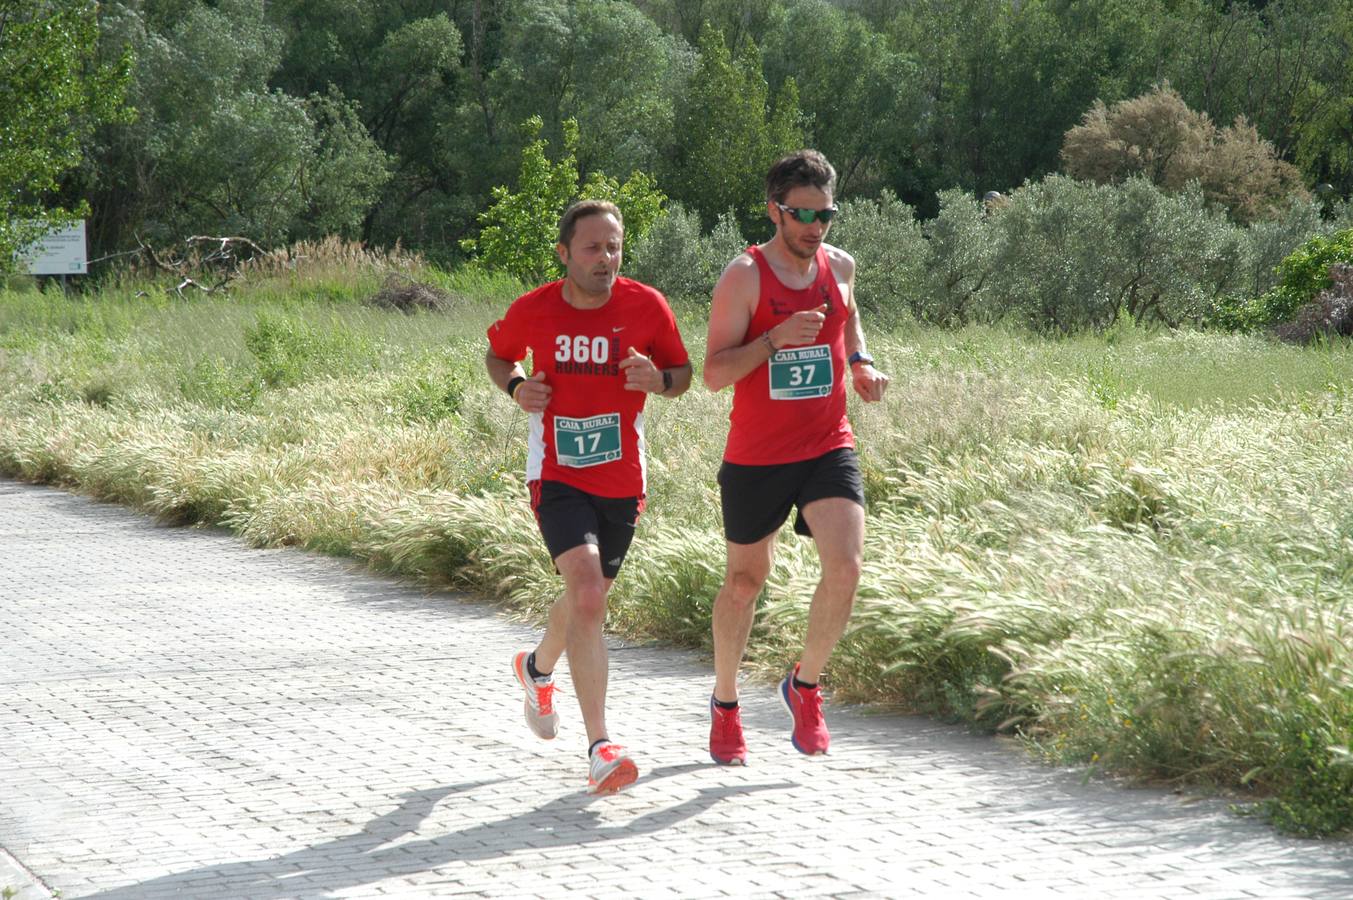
[
  {"x": 610, "y": 769},
  {"x": 540, "y": 714}
]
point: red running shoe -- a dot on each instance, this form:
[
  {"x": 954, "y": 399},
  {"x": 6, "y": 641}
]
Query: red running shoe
[
  {"x": 810, "y": 733},
  {"x": 726, "y": 745},
  {"x": 610, "y": 769}
]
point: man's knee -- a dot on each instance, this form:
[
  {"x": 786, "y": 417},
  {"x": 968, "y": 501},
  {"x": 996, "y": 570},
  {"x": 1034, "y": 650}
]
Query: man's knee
[
  {"x": 744, "y": 585},
  {"x": 841, "y": 573},
  {"x": 587, "y": 599}
]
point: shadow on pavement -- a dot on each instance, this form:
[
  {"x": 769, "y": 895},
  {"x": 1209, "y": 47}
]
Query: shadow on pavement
[{"x": 368, "y": 856}]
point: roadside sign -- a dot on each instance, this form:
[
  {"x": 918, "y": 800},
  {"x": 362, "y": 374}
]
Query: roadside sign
[{"x": 59, "y": 253}]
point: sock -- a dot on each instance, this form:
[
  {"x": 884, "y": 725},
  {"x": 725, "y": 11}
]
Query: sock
[
  {"x": 804, "y": 685},
  {"x": 597, "y": 743},
  {"x": 722, "y": 705},
  {"x": 531, "y": 667}
]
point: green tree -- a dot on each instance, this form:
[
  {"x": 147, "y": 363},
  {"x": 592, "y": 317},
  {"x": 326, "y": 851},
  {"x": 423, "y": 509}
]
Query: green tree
[
  {"x": 861, "y": 100},
  {"x": 1283, "y": 65},
  {"x": 601, "y": 62},
  {"x": 53, "y": 95},
  {"x": 343, "y": 175},
  {"x": 520, "y": 228},
  {"x": 639, "y": 198},
  {"x": 728, "y": 134},
  {"x": 740, "y": 21},
  {"x": 216, "y": 149}
]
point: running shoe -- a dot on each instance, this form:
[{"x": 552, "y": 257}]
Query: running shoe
[
  {"x": 540, "y": 714},
  {"x": 610, "y": 769},
  {"x": 810, "y": 733},
  {"x": 726, "y": 745}
]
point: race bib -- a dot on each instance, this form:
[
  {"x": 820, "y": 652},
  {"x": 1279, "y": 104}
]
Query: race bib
[
  {"x": 580, "y": 443},
  {"x": 802, "y": 373}
]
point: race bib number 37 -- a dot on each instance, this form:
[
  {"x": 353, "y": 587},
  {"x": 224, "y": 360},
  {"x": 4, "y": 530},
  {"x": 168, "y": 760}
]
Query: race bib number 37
[
  {"x": 802, "y": 373},
  {"x": 580, "y": 443}
]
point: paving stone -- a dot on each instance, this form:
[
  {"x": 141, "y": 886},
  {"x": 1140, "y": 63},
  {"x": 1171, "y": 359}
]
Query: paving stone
[{"x": 185, "y": 716}]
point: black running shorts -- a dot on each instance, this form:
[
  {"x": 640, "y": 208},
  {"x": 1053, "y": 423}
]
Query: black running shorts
[
  {"x": 756, "y": 500},
  {"x": 569, "y": 518}
]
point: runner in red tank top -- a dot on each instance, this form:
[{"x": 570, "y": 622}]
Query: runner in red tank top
[
  {"x": 784, "y": 329},
  {"x": 599, "y": 345}
]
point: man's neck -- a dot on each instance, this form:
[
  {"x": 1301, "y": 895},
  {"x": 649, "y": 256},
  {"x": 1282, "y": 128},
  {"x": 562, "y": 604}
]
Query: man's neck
[
  {"x": 781, "y": 258},
  {"x": 580, "y": 299}
]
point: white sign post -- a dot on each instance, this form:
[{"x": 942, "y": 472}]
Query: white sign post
[{"x": 59, "y": 253}]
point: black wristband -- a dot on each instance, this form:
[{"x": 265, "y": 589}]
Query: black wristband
[
  {"x": 666, "y": 381},
  {"x": 512, "y": 385}
]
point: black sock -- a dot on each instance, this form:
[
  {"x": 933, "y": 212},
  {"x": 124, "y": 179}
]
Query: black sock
[
  {"x": 804, "y": 684},
  {"x": 531, "y": 667},
  {"x": 722, "y": 705},
  {"x": 597, "y": 743}
]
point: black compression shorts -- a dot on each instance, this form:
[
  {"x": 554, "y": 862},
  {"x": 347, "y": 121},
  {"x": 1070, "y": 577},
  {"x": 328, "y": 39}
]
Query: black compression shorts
[
  {"x": 569, "y": 517},
  {"x": 756, "y": 500}
]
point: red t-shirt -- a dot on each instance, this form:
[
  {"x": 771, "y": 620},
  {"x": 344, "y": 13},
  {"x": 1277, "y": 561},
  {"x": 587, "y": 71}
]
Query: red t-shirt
[
  {"x": 793, "y": 406},
  {"x": 591, "y": 435}
]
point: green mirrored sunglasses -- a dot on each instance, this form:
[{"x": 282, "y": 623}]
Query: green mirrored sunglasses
[{"x": 809, "y": 216}]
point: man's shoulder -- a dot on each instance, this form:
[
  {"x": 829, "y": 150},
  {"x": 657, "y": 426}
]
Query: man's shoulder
[
  {"x": 637, "y": 289},
  {"x": 841, "y": 262},
  {"x": 742, "y": 273},
  {"x": 536, "y": 296}
]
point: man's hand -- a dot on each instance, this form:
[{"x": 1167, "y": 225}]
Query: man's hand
[
  {"x": 641, "y": 374},
  {"x": 800, "y": 328},
  {"x": 869, "y": 382},
  {"x": 533, "y": 394}
]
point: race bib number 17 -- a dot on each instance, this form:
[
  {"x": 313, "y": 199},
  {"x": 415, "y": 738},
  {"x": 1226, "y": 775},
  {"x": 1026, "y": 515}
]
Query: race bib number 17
[
  {"x": 802, "y": 373},
  {"x": 580, "y": 443}
]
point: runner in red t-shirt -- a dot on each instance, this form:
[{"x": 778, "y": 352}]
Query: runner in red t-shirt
[
  {"x": 599, "y": 344},
  {"x": 784, "y": 329}
]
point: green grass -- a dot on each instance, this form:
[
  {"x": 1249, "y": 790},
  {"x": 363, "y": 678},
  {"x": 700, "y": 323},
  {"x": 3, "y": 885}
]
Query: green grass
[{"x": 1133, "y": 549}]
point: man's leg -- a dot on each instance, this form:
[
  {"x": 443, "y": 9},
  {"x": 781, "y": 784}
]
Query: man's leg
[
  {"x": 838, "y": 529},
  {"x": 576, "y": 628},
  {"x": 555, "y": 640},
  {"x": 735, "y": 610}
]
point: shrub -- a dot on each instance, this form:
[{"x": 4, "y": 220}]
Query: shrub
[
  {"x": 1076, "y": 255},
  {"x": 213, "y": 382},
  {"x": 1158, "y": 137},
  {"x": 288, "y": 351},
  {"x": 1301, "y": 276},
  {"x": 962, "y": 254},
  {"x": 890, "y": 255},
  {"x": 1331, "y": 312},
  {"x": 677, "y": 259},
  {"x": 430, "y": 399}
]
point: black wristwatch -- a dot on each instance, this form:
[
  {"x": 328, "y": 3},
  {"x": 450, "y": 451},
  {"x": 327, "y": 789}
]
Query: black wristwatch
[
  {"x": 858, "y": 357},
  {"x": 666, "y": 381}
]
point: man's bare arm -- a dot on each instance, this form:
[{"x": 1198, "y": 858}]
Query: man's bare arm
[
  {"x": 727, "y": 358},
  {"x": 531, "y": 394}
]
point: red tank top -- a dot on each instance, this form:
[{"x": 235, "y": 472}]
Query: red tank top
[{"x": 792, "y": 407}]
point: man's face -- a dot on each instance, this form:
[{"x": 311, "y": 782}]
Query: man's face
[
  {"x": 592, "y": 257},
  {"x": 800, "y": 239}
]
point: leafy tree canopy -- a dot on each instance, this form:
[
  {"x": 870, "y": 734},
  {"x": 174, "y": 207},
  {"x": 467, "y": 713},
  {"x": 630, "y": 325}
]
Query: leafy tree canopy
[{"x": 51, "y": 99}]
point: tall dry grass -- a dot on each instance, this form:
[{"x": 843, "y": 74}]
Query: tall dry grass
[{"x": 1133, "y": 549}]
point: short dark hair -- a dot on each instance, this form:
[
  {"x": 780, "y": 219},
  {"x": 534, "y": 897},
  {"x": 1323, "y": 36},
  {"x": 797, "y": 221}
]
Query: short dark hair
[
  {"x": 581, "y": 210},
  {"x": 806, "y": 168}
]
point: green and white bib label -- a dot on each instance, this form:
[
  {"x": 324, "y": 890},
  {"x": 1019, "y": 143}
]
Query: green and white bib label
[
  {"x": 580, "y": 443},
  {"x": 802, "y": 373}
]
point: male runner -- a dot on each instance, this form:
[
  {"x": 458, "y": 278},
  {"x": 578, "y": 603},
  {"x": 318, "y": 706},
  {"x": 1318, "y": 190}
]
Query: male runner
[
  {"x": 785, "y": 331},
  {"x": 599, "y": 345}
]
